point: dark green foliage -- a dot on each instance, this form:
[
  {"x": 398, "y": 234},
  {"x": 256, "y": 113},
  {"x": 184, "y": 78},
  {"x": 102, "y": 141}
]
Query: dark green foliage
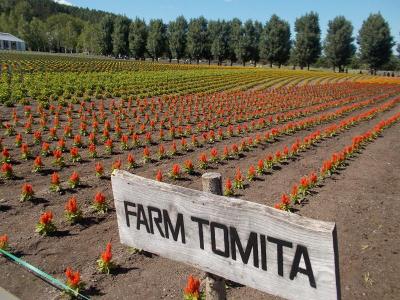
[
  {"x": 338, "y": 46},
  {"x": 198, "y": 43},
  {"x": 120, "y": 36},
  {"x": 275, "y": 41},
  {"x": 239, "y": 41},
  {"x": 138, "y": 38},
  {"x": 308, "y": 35},
  {"x": 375, "y": 41},
  {"x": 156, "y": 40},
  {"x": 176, "y": 33},
  {"x": 220, "y": 40},
  {"x": 106, "y": 31}
]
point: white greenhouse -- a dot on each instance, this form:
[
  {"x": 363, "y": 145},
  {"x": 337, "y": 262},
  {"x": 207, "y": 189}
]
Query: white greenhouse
[{"x": 10, "y": 42}]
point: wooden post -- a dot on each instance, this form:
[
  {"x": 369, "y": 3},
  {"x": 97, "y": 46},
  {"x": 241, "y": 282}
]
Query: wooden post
[{"x": 215, "y": 285}]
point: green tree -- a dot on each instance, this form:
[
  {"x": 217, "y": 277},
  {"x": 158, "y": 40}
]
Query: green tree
[
  {"x": 120, "y": 36},
  {"x": 220, "y": 37},
  {"x": 375, "y": 42},
  {"x": 198, "y": 45},
  {"x": 106, "y": 31},
  {"x": 38, "y": 35},
  {"x": 338, "y": 46},
  {"x": 275, "y": 41},
  {"x": 308, "y": 35},
  {"x": 63, "y": 32},
  {"x": 156, "y": 38},
  {"x": 239, "y": 41},
  {"x": 89, "y": 41},
  {"x": 233, "y": 27},
  {"x": 255, "y": 49},
  {"x": 138, "y": 38},
  {"x": 177, "y": 37}
]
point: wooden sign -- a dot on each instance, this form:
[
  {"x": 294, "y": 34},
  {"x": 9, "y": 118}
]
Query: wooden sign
[{"x": 258, "y": 246}]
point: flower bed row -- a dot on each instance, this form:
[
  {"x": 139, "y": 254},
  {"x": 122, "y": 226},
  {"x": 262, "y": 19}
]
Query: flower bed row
[{"x": 334, "y": 163}]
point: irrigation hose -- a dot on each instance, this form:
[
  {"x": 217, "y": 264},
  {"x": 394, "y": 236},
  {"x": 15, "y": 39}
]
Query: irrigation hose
[{"x": 48, "y": 278}]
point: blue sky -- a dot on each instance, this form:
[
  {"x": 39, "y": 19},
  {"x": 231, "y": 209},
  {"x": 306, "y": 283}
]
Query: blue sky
[{"x": 354, "y": 10}]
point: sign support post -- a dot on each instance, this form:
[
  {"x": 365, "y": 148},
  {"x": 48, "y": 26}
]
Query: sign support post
[{"x": 215, "y": 285}]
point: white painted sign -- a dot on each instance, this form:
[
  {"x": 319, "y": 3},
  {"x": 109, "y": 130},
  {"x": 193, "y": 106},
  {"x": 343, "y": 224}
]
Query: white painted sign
[{"x": 273, "y": 251}]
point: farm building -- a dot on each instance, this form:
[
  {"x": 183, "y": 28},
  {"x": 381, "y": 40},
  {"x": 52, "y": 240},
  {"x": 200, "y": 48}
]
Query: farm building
[{"x": 10, "y": 42}]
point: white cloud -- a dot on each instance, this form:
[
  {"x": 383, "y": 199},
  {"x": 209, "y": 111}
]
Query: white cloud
[{"x": 65, "y": 2}]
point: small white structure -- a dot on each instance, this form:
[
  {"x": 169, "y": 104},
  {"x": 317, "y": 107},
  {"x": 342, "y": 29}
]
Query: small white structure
[{"x": 10, "y": 42}]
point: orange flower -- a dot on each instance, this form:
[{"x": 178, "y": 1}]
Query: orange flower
[
  {"x": 46, "y": 218},
  {"x": 106, "y": 256},
  {"x": 71, "y": 206},
  {"x": 285, "y": 199},
  {"x": 99, "y": 169},
  {"x": 116, "y": 165},
  {"x": 159, "y": 176},
  {"x": 99, "y": 198},
  {"x": 192, "y": 288},
  {"x": 251, "y": 173},
  {"x": 146, "y": 155},
  {"x": 176, "y": 171},
  {"x": 73, "y": 278},
  {"x": 228, "y": 188},
  {"x": 4, "y": 242},
  {"x": 203, "y": 161}
]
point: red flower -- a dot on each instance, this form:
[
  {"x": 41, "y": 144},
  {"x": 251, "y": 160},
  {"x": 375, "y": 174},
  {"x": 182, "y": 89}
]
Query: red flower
[
  {"x": 73, "y": 278},
  {"x": 4, "y": 242},
  {"x": 176, "y": 171},
  {"x": 55, "y": 178},
  {"x": 225, "y": 155},
  {"x": 7, "y": 170},
  {"x": 71, "y": 206},
  {"x": 116, "y": 165},
  {"x": 214, "y": 155},
  {"x": 159, "y": 176},
  {"x": 46, "y": 218},
  {"x": 313, "y": 178},
  {"x": 131, "y": 161},
  {"x": 188, "y": 166},
  {"x": 74, "y": 180},
  {"x": 260, "y": 166},
  {"x": 57, "y": 154},
  {"x": 146, "y": 155},
  {"x": 238, "y": 182},
  {"x": 99, "y": 169},
  {"x": 106, "y": 256},
  {"x": 251, "y": 173},
  {"x": 192, "y": 288},
  {"x": 203, "y": 161},
  {"x": 161, "y": 151},
  {"x": 99, "y": 198}
]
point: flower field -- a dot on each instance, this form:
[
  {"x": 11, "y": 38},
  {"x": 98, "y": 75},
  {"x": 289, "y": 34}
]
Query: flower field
[{"x": 323, "y": 145}]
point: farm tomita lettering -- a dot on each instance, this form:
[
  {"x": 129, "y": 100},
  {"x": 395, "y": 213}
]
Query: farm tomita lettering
[{"x": 157, "y": 221}]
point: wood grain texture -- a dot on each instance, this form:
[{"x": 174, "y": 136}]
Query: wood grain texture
[
  {"x": 215, "y": 285},
  {"x": 246, "y": 217}
]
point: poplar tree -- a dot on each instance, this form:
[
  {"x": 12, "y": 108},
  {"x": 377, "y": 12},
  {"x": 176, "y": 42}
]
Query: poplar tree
[
  {"x": 308, "y": 35},
  {"x": 177, "y": 37},
  {"x": 338, "y": 46},
  {"x": 156, "y": 40},
  {"x": 375, "y": 42},
  {"x": 137, "y": 38},
  {"x": 275, "y": 41}
]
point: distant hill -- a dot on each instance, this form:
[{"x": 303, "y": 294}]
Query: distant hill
[{"x": 42, "y": 9}]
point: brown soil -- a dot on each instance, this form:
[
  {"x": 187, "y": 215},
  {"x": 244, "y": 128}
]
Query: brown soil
[{"x": 363, "y": 200}]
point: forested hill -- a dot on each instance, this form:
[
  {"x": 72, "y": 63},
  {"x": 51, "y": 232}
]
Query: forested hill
[{"x": 42, "y": 9}]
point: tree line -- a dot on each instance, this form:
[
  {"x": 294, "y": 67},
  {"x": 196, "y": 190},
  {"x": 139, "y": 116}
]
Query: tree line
[{"x": 48, "y": 26}]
